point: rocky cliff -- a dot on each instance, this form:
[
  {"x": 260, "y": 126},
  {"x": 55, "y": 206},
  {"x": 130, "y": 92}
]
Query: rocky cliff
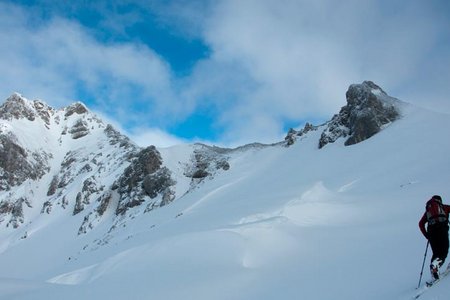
[{"x": 367, "y": 111}]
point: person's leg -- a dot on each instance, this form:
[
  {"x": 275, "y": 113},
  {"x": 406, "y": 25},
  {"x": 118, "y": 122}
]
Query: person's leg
[
  {"x": 436, "y": 247},
  {"x": 439, "y": 245}
]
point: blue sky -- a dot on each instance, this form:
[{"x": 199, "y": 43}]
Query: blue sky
[{"x": 224, "y": 72}]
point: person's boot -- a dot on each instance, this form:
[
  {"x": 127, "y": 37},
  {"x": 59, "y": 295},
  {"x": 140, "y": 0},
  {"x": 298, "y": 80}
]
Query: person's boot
[{"x": 434, "y": 268}]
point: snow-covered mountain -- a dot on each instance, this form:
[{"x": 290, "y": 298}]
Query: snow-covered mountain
[
  {"x": 331, "y": 212},
  {"x": 69, "y": 162}
]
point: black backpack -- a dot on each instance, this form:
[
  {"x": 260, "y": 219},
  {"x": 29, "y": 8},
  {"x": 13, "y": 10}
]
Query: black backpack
[{"x": 435, "y": 212}]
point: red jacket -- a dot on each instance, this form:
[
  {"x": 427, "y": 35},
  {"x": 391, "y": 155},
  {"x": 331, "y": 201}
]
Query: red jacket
[{"x": 424, "y": 220}]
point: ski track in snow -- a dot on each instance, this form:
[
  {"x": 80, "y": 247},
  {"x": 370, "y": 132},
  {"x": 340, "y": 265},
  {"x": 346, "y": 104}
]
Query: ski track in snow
[{"x": 209, "y": 196}]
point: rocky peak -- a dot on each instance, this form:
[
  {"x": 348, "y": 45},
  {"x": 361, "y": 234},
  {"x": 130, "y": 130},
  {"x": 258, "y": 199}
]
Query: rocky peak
[
  {"x": 17, "y": 107},
  {"x": 75, "y": 108},
  {"x": 360, "y": 94},
  {"x": 368, "y": 109}
]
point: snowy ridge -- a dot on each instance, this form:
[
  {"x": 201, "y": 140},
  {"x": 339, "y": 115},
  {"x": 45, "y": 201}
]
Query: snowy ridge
[
  {"x": 79, "y": 165},
  {"x": 259, "y": 222},
  {"x": 71, "y": 144}
]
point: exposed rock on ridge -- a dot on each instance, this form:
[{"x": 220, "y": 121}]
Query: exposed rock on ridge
[
  {"x": 144, "y": 178},
  {"x": 18, "y": 164},
  {"x": 368, "y": 110},
  {"x": 206, "y": 161},
  {"x": 14, "y": 208},
  {"x": 75, "y": 108},
  {"x": 17, "y": 107}
]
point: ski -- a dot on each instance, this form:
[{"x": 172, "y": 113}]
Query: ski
[
  {"x": 429, "y": 284},
  {"x": 445, "y": 273}
]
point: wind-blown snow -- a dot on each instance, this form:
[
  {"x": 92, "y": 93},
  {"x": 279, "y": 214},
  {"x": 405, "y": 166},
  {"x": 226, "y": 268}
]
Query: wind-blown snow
[{"x": 281, "y": 223}]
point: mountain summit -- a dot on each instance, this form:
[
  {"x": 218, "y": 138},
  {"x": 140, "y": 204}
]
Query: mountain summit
[
  {"x": 368, "y": 110},
  {"x": 70, "y": 159}
]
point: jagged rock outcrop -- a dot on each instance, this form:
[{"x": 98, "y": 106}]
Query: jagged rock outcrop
[
  {"x": 18, "y": 164},
  {"x": 116, "y": 138},
  {"x": 144, "y": 178},
  {"x": 293, "y": 135},
  {"x": 14, "y": 209},
  {"x": 16, "y": 107},
  {"x": 368, "y": 109},
  {"x": 47, "y": 207},
  {"x": 44, "y": 111},
  {"x": 206, "y": 161},
  {"x": 79, "y": 129},
  {"x": 94, "y": 216},
  {"x": 53, "y": 186},
  {"x": 75, "y": 108},
  {"x": 90, "y": 187}
]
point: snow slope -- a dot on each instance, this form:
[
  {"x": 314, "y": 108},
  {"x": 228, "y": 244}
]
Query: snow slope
[{"x": 281, "y": 223}]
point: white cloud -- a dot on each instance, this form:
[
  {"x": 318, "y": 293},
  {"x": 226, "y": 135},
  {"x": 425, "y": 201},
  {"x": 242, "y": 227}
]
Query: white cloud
[
  {"x": 294, "y": 60},
  {"x": 143, "y": 136},
  {"x": 154, "y": 136},
  {"x": 271, "y": 62},
  {"x": 56, "y": 59}
]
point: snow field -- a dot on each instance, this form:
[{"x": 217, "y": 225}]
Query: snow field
[{"x": 282, "y": 223}]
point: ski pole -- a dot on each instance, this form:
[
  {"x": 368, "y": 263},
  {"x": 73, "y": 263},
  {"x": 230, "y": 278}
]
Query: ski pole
[{"x": 423, "y": 264}]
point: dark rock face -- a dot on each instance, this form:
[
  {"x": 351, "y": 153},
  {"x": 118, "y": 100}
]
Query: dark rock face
[
  {"x": 79, "y": 129},
  {"x": 90, "y": 187},
  {"x": 337, "y": 128},
  {"x": 17, "y": 164},
  {"x": 91, "y": 218},
  {"x": 116, "y": 138},
  {"x": 156, "y": 183},
  {"x": 44, "y": 111},
  {"x": 292, "y": 135},
  {"x": 46, "y": 207},
  {"x": 206, "y": 161},
  {"x": 368, "y": 109},
  {"x": 147, "y": 162},
  {"x": 76, "y": 108},
  {"x": 104, "y": 201},
  {"x": 143, "y": 178},
  {"x": 14, "y": 208},
  {"x": 16, "y": 107}
]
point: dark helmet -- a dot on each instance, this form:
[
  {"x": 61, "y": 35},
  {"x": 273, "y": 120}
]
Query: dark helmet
[{"x": 437, "y": 197}]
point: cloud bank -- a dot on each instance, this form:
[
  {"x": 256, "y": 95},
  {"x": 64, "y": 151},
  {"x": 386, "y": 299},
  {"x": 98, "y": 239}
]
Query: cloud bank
[
  {"x": 300, "y": 56},
  {"x": 271, "y": 64}
]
